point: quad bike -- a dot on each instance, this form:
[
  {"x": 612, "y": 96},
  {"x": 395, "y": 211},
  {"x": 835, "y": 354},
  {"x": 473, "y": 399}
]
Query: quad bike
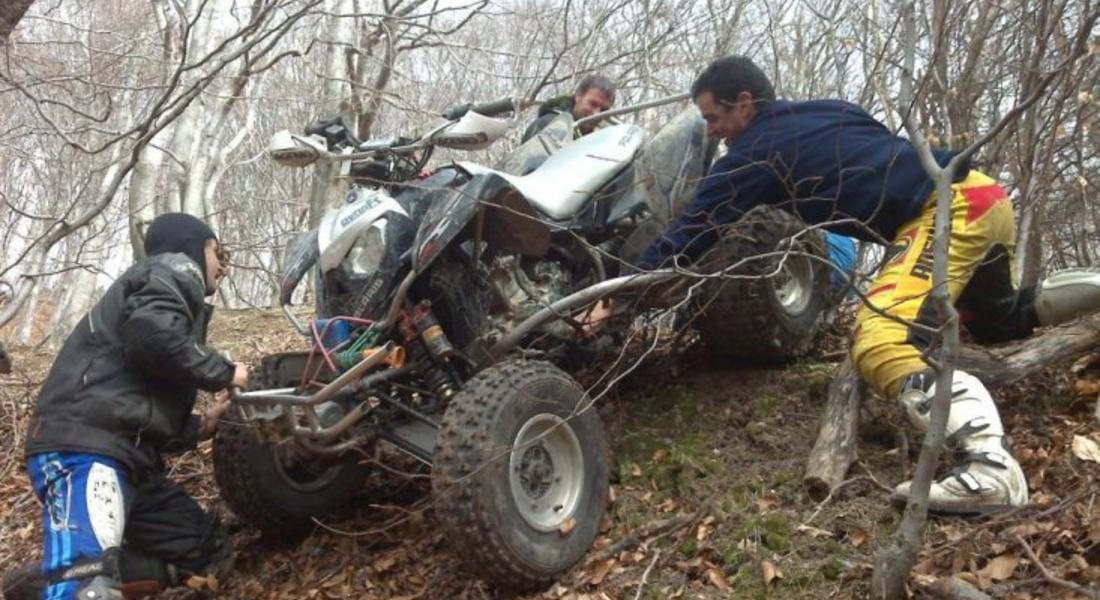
[{"x": 434, "y": 293}]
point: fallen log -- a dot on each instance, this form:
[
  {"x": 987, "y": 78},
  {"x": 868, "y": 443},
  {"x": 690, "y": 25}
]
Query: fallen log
[{"x": 835, "y": 449}]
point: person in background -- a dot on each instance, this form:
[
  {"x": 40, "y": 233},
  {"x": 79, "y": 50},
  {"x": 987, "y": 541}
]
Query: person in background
[{"x": 594, "y": 94}]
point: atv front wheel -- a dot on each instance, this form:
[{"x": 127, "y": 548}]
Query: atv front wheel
[
  {"x": 520, "y": 473},
  {"x": 769, "y": 308},
  {"x": 279, "y": 489}
]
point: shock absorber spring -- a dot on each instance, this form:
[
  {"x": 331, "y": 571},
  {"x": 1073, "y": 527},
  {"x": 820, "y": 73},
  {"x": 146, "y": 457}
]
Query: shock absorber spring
[
  {"x": 432, "y": 332},
  {"x": 420, "y": 350},
  {"x": 439, "y": 383}
]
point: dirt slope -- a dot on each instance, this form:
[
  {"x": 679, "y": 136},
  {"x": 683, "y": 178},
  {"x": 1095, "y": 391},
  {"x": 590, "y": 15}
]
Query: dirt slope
[{"x": 708, "y": 501}]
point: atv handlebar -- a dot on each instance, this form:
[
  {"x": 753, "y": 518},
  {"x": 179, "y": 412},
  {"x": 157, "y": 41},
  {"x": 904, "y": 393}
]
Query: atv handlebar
[{"x": 489, "y": 109}]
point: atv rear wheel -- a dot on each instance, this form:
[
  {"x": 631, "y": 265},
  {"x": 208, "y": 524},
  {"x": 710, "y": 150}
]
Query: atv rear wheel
[
  {"x": 520, "y": 473},
  {"x": 770, "y": 307},
  {"x": 279, "y": 489}
]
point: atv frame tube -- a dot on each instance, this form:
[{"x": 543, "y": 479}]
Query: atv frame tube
[
  {"x": 576, "y": 301},
  {"x": 315, "y": 432}
]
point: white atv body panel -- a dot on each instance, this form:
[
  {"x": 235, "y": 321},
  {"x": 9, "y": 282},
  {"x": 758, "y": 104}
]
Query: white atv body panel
[
  {"x": 340, "y": 228},
  {"x": 563, "y": 185},
  {"x": 472, "y": 132}
]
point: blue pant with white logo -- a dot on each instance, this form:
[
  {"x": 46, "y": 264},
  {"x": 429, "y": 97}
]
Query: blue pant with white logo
[{"x": 83, "y": 510}]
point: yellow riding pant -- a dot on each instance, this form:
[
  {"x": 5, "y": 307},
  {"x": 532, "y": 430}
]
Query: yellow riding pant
[{"x": 887, "y": 350}]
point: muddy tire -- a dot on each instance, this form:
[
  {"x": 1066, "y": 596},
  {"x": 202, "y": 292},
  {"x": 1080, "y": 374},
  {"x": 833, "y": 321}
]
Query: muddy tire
[
  {"x": 521, "y": 518},
  {"x": 773, "y": 314},
  {"x": 278, "y": 491}
]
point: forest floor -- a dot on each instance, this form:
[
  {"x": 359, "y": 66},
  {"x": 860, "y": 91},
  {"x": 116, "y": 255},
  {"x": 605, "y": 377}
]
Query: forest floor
[{"x": 719, "y": 451}]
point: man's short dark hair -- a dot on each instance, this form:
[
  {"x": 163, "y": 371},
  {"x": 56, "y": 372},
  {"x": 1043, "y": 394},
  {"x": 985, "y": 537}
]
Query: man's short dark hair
[
  {"x": 598, "y": 81},
  {"x": 728, "y": 76}
]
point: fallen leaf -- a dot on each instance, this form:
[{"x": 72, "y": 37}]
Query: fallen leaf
[
  {"x": 384, "y": 563},
  {"x": 702, "y": 533},
  {"x": 635, "y": 470},
  {"x": 766, "y": 503},
  {"x": 660, "y": 455},
  {"x": 1076, "y": 564},
  {"x": 718, "y": 578},
  {"x": 567, "y": 526},
  {"x": 1030, "y": 529},
  {"x": 924, "y": 568},
  {"x": 858, "y": 537},
  {"x": 1086, "y": 387},
  {"x": 1086, "y": 449},
  {"x": 196, "y": 583},
  {"x": 771, "y": 572},
  {"x": 1001, "y": 567},
  {"x": 599, "y": 573}
]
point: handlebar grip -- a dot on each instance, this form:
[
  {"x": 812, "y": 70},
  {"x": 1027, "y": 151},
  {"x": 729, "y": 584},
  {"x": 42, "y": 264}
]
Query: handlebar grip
[{"x": 489, "y": 109}]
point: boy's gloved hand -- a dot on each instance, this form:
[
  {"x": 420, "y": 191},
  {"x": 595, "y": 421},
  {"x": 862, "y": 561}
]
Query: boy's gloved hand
[{"x": 210, "y": 418}]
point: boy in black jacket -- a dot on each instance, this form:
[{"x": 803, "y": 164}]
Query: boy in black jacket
[{"x": 118, "y": 398}]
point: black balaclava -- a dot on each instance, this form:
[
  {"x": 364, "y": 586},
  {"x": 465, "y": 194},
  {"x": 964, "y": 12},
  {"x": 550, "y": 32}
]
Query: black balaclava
[{"x": 179, "y": 233}]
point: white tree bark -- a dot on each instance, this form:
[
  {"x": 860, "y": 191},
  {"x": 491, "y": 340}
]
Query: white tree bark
[
  {"x": 341, "y": 34},
  {"x": 26, "y": 328},
  {"x": 77, "y": 296},
  {"x": 187, "y": 133},
  {"x": 210, "y": 153},
  {"x": 142, "y": 200}
]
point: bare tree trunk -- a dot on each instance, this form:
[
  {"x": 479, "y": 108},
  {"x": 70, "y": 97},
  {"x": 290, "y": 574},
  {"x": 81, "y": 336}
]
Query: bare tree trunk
[
  {"x": 26, "y": 329},
  {"x": 1029, "y": 249},
  {"x": 210, "y": 154},
  {"x": 221, "y": 164},
  {"x": 341, "y": 32},
  {"x": 187, "y": 133},
  {"x": 142, "y": 197},
  {"x": 80, "y": 283},
  {"x": 894, "y": 560},
  {"x": 77, "y": 291}
]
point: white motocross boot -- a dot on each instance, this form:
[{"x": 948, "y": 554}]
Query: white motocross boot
[
  {"x": 988, "y": 478},
  {"x": 1066, "y": 295}
]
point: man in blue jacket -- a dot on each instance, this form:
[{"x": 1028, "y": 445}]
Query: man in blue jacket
[
  {"x": 119, "y": 397},
  {"x": 832, "y": 164}
]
